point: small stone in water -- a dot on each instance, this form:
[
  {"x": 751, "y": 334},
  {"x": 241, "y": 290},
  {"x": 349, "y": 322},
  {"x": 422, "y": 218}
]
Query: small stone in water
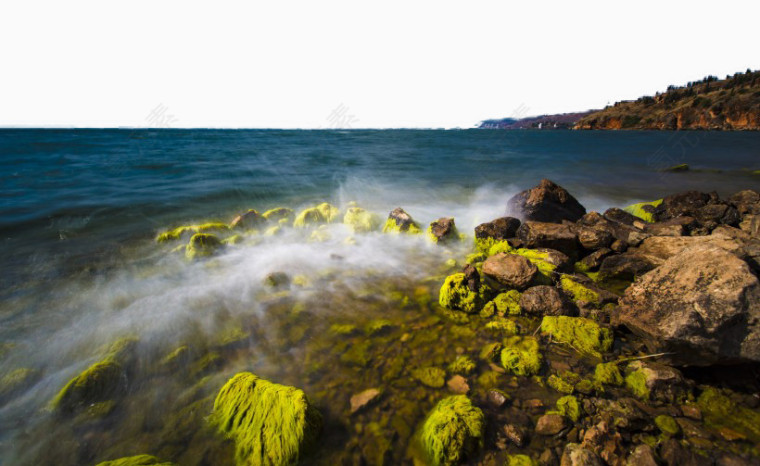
[
  {"x": 458, "y": 384},
  {"x": 497, "y": 398},
  {"x": 550, "y": 424},
  {"x": 360, "y": 400}
]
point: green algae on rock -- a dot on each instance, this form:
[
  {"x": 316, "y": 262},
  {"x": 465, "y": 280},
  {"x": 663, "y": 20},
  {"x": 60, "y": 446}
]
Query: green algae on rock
[
  {"x": 506, "y": 303},
  {"x": 360, "y": 220},
  {"x": 443, "y": 231},
  {"x": 102, "y": 381},
  {"x": 584, "y": 335},
  {"x": 202, "y": 245},
  {"x": 721, "y": 412},
  {"x": 452, "y": 431},
  {"x": 432, "y": 377},
  {"x": 521, "y": 356},
  {"x": 667, "y": 425},
  {"x": 577, "y": 291},
  {"x": 455, "y": 294},
  {"x": 278, "y": 213},
  {"x": 323, "y": 213},
  {"x": 139, "y": 460},
  {"x": 608, "y": 374},
  {"x": 462, "y": 365},
  {"x": 501, "y": 326},
  {"x": 570, "y": 407},
  {"x": 177, "y": 233},
  {"x": 270, "y": 424},
  {"x": 400, "y": 222},
  {"x": 560, "y": 384},
  {"x": 520, "y": 460},
  {"x": 643, "y": 210}
]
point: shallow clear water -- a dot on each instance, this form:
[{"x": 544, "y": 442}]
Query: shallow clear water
[{"x": 79, "y": 210}]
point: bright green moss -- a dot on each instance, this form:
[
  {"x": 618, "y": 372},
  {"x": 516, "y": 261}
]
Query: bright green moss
[
  {"x": 720, "y": 411},
  {"x": 577, "y": 291},
  {"x": 462, "y": 365},
  {"x": 538, "y": 258},
  {"x": 378, "y": 326},
  {"x": 491, "y": 246},
  {"x": 234, "y": 239},
  {"x": 475, "y": 258},
  {"x": 520, "y": 460},
  {"x": 360, "y": 220},
  {"x": 638, "y": 210},
  {"x": 667, "y": 425},
  {"x": 584, "y": 335},
  {"x": 139, "y": 460},
  {"x": 431, "y": 376},
  {"x": 455, "y": 294},
  {"x": 502, "y": 326},
  {"x": 101, "y": 381},
  {"x": 179, "y": 232},
  {"x": 392, "y": 227},
  {"x": 323, "y": 213},
  {"x": 490, "y": 379},
  {"x": 507, "y": 303},
  {"x": 278, "y": 213},
  {"x": 452, "y": 431},
  {"x": 491, "y": 351},
  {"x": 560, "y": 384},
  {"x": 270, "y": 424},
  {"x": 202, "y": 245},
  {"x": 521, "y": 356},
  {"x": 636, "y": 382},
  {"x": 608, "y": 374},
  {"x": 569, "y": 406}
]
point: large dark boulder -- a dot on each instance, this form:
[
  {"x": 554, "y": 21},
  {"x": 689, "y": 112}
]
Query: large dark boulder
[
  {"x": 683, "y": 204},
  {"x": 498, "y": 229},
  {"x": 702, "y": 305},
  {"x": 559, "y": 236},
  {"x": 547, "y": 202}
]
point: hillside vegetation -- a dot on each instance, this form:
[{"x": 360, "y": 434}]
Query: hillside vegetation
[{"x": 728, "y": 104}]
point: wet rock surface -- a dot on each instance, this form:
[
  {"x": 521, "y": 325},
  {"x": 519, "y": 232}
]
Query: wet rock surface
[{"x": 547, "y": 202}]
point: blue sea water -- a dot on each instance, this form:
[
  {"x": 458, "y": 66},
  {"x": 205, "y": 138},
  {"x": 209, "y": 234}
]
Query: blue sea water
[{"x": 79, "y": 210}]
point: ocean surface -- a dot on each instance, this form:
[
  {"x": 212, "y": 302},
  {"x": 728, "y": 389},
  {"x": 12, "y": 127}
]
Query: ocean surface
[{"x": 79, "y": 211}]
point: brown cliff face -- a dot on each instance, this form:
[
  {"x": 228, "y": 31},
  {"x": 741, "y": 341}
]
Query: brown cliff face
[{"x": 710, "y": 104}]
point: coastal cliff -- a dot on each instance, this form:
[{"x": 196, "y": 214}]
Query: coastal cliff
[{"x": 710, "y": 104}]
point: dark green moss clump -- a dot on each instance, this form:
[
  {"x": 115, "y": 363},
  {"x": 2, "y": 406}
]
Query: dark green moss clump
[
  {"x": 271, "y": 424},
  {"x": 452, "y": 431}
]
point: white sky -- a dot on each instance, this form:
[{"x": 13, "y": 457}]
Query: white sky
[{"x": 293, "y": 64}]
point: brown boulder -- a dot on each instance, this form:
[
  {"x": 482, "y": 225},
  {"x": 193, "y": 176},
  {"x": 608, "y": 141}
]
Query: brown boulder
[
  {"x": 499, "y": 229},
  {"x": 547, "y": 202},
  {"x": 620, "y": 216},
  {"x": 746, "y": 202},
  {"x": 595, "y": 259},
  {"x": 550, "y": 424},
  {"x": 626, "y": 266},
  {"x": 510, "y": 270},
  {"x": 544, "y": 300},
  {"x": 444, "y": 230},
  {"x": 594, "y": 238},
  {"x": 703, "y": 305},
  {"x": 250, "y": 219},
  {"x": 557, "y": 236}
]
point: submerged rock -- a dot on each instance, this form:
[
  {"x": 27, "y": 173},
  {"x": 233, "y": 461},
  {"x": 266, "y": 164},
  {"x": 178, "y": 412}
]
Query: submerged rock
[
  {"x": 657, "y": 382},
  {"x": 521, "y": 356},
  {"x": 584, "y": 335},
  {"x": 510, "y": 270},
  {"x": 202, "y": 245},
  {"x": 248, "y": 220},
  {"x": 401, "y": 222},
  {"x": 270, "y": 424},
  {"x": 432, "y": 377},
  {"x": 102, "y": 381},
  {"x": 702, "y": 305},
  {"x": 279, "y": 214},
  {"x": 547, "y": 202},
  {"x": 321, "y": 214},
  {"x": 452, "y": 432},
  {"x": 189, "y": 230},
  {"x": 443, "y": 230},
  {"x": 550, "y": 424},
  {"x": 139, "y": 460},
  {"x": 362, "y": 399},
  {"x": 360, "y": 220}
]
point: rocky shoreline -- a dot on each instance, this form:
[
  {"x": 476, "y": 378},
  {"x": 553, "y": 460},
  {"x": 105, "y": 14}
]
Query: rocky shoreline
[{"x": 560, "y": 337}]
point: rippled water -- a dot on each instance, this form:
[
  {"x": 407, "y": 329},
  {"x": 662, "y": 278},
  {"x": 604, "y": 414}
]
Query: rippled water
[{"x": 79, "y": 210}]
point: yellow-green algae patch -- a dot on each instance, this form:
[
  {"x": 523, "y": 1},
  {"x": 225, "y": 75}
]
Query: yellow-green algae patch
[
  {"x": 430, "y": 376},
  {"x": 202, "y": 245},
  {"x": 502, "y": 326},
  {"x": 278, "y": 213},
  {"x": 577, "y": 291},
  {"x": 560, "y": 384},
  {"x": 323, "y": 213},
  {"x": 360, "y": 220},
  {"x": 139, "y": 460},
  {"x": 521, "y": 356},
  {"x": 520, "y": 460},
  {"x": 270, "y": 424},
  {"x": 584, "y": 335},
  {"x": 507, "y": 303},
  {"x": 455, "y": 294},
  {"x": 638, "y": 210},
  {"x": 721, "y": 412},
  {"x": 569, "y": 406},
  {"x": 462, "y": 365},
  {"x": 491, "y": 246},
  {"x": 177, "y": 233},
  {"x": 636, "y": 382},
  {"x": 452, "y": 432},
  {"x": 100, "y": 382},
  {"x": 667, "y": 425},
  {"x": 608, "y": 374},
  {"x": 391, "y": 226}
]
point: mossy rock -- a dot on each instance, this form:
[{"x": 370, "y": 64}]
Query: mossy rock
[
  {"x": 520, "y": 460},
  {"x": 360, "y": 220},
  {"x": 560, "y": 384},
  {"x": 643, "y": 210},
  {"x": 270, "y": 424},
  {"x": 462, "y": 365},
  {"x": 278, "y": 213},
  {"x": 490, "y": 246},
  {"x": 455, "y": 294},
  {"x": 202, "y": 245},
  {"x": 139, "y": 460},
  {"x": 521, "y": 356},
  {"x": 608, "y": 374},
  {"x": 570, "y": 407},
  {"x": 507, "y": 303},
  {"x": 667, "y": 425},
  {"x": 584, "y": 335},
  {"x": 720, "y": 411},
  {"x": 432, "y": 377},
  {"x": 400, "y": 222},
  {"x": 579, "y": 292},
  {"x": 452, "y": 432},
  {"x": 491, "y": 352},
  {"x": 102, "y": 381},
  {"x": 189, "y": 230},
  {"x": 323, "y": 213},
  {"x": 501, "y": 326}
]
